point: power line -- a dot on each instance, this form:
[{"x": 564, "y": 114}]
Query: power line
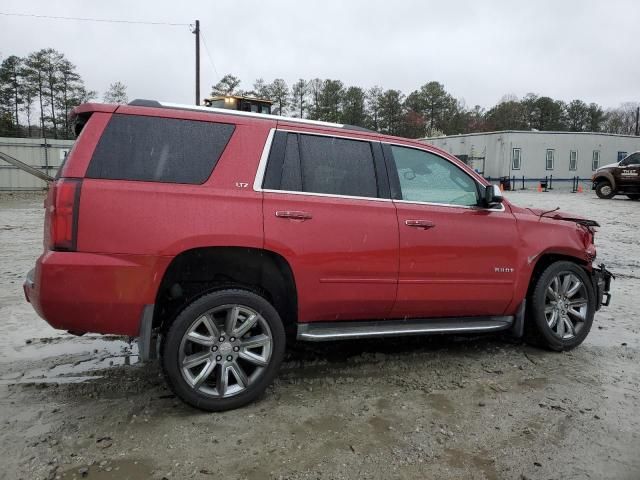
[
  {"x": 206, "y": 49},
  {"x": 102, "y": 20}
]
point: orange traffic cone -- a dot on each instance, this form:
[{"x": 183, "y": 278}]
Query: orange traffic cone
[
  {"x": 539, "y": 187},
  {"x": 501, "y": 188},
  {"x": 580, "y": 190}
]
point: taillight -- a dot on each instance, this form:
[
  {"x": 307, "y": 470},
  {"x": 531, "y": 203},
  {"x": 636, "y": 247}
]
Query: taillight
[{"x": 63, "y": 212}]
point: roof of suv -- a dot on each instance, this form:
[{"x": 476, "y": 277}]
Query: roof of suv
[{"x": 224, "y": 111}]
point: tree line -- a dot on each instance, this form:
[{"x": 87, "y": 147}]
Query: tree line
[
  {"x": 38, "y": 92},
  {"x": 430, "y": 110}
]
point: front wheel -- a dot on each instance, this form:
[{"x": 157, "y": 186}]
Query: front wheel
[
  {"x": 223, "y": 350},
  {"x": 634, "y": 196},
  {"x": 604, "y": 189},
  {"x": 562, "y": 306}
]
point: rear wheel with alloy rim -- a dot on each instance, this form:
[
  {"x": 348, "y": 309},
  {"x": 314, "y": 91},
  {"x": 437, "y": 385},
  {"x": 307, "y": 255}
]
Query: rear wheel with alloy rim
[
  {"x": 223, "y": 350},
  {"x": 562, "y": 307}
]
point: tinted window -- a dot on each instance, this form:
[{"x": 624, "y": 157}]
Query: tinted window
[
  {"x": 337, "y": 166},
  {"x": 633, "y": 159},
  {"x": 426, "y": 177},
  {"x": 291, "y": 177},
  {"x": 159, "y": 149}
]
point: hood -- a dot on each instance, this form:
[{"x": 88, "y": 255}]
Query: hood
[
  {"x": 607, "y": 166},
  {"x": 559, "y": 215}
]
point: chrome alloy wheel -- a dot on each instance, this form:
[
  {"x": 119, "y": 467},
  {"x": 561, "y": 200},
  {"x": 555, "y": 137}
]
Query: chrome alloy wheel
[
  {"x": 225, "y": 350},
  {"x": 566, "y": 305}
]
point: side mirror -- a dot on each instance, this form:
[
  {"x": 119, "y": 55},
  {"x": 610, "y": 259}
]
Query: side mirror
[{"x": 492, "y": 195}]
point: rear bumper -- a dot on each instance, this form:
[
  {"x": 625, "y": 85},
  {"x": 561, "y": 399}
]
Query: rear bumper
[
  {"x": 99, "y": 293},
  {"x": 602, "y": 284}
]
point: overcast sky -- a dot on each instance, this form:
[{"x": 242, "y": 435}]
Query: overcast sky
[{"x": 480, "y": 51}]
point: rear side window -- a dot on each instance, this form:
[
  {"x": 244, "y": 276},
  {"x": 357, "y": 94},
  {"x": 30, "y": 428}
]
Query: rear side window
[
  {"x": 321, "y": 164},
  {"x": 158, "y": 149},
  {"x": 337, "y": 166}
]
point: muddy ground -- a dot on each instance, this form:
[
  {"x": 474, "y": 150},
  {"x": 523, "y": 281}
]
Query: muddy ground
[{"x": 439, "y": 407}]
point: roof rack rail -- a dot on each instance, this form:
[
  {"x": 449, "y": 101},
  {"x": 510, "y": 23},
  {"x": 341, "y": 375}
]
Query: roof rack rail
[{"x": 138, "y": 102}]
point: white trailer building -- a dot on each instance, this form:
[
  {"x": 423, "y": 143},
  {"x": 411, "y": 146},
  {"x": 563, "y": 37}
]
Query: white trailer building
[
  {"x": 537, "y": 155},
  {"x": 45, "y": 155}
]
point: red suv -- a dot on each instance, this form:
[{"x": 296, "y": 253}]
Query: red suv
[{"x": 216, "y": 236}]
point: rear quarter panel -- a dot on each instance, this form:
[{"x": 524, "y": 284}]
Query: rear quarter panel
[
  {"x": 162, "y": 219},
  {"x": 129, "y": 231}
]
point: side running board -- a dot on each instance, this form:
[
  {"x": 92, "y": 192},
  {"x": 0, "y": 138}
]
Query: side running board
[{"x": 325, "y": 331}]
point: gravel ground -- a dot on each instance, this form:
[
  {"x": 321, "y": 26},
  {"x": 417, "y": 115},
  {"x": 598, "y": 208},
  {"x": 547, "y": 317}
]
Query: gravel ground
[{"x": 434, "y": 407}]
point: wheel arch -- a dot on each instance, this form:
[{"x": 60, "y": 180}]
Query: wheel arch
[
  {"x": 198, "y": 271},
  {"x": 548, "y": 258},
  {"x": 605, "y": 176}
]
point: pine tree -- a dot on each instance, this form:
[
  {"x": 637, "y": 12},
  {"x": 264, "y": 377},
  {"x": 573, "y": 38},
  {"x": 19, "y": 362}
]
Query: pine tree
[
  {"x": 298, "y": 102},
  {"x": 11, "y": 88},
  {"x": 34, "y": 75},
  {"x": 228, "y": 85},
  {"x": 117, "y": 93},
  {"x": 373, "y": 97},
  {"x": 353, "y": 107},
  {"x": 279, "y": 91}
]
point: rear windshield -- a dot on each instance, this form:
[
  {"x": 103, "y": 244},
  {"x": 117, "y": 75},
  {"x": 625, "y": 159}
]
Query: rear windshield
[{"x": 158, "y": 149}]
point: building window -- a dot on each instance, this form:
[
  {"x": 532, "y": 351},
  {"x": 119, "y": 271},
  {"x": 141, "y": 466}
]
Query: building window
[
  {"x": 551, "y": 153},
  {"x": 516, "y": 159},
  {"x": 621, "y": 155},
  {"x": 573, "y": 160},
  {"x": 595, "y": 163}
]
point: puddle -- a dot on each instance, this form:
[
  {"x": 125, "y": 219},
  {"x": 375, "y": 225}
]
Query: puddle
[
  {"x": 110, "y": 469},
  {"x": 69, "y": 359}
]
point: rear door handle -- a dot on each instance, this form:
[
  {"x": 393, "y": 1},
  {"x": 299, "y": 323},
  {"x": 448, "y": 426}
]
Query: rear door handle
[
  {"x": 424, "y": 224},
  {"x": 294, "y": 214}
]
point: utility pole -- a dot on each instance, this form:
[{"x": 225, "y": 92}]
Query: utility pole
[
  {"x": 637, "y": 118},
  {"x": 196, "y": 31}
]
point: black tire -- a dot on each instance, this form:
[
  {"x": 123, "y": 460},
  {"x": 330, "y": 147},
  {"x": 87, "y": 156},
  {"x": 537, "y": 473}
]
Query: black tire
[
  {"x": 173, "y": 344},
  {"x": 634, "y": 196},
  {"x": 537, "y": 328},
  {"x": 608, "y": 192}
]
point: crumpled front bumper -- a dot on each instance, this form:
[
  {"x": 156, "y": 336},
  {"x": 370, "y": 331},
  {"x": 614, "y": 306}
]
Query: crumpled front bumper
[{"x": 601, "y": 278}]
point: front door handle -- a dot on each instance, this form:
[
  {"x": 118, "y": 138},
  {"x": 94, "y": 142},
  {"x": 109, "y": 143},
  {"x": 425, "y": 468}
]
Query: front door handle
[
  {"x": 294, "y": 214},
  {"x": 424, "y": 224}
]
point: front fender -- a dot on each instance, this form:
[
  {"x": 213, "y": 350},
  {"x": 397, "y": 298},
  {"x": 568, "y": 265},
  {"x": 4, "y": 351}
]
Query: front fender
[
  {"x": 543, "y": 238},
  {"x": 608, "y": 176}
]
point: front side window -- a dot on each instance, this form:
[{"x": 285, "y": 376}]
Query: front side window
[
  {"x": 633, "y": 159},
  {"x": 426, "y": 177},
  {"x": 516, "y": 159},
  {"x": 595, "y": 163},
  {"x": 573, "y": 160},
  {"x": 550, "y": 158}
]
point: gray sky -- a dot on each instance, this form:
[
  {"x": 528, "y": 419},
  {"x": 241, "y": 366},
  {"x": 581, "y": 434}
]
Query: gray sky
[{"x": 480, "y": 51}]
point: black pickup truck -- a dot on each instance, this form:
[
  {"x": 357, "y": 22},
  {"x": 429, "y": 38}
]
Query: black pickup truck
[{"x": 622, "y": 178}]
